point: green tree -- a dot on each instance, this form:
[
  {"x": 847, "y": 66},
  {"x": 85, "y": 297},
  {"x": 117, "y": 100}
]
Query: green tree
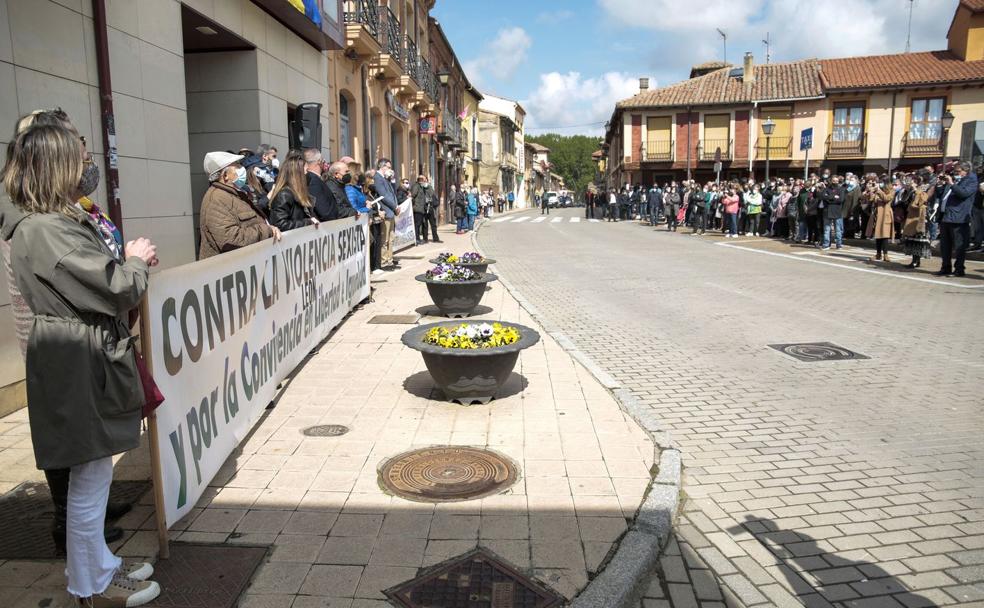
[{"x": 570, "y": 156}]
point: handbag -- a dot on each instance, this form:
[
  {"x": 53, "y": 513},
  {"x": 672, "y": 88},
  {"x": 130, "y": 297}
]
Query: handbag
[{"x": 152, "y": 393}]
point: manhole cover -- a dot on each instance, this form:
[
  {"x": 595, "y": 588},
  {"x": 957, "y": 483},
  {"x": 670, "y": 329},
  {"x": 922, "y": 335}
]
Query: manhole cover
[
  {"x": 394, "y": 319},
  {"x": 26, "y": 513},
  {"x": 447, "y": 474},
  {"x": 477, "y": 578},
  {"x": 205, "y": 576},
  {"x": 817, "y": 351},
  {"x": 326, "y": 430}
]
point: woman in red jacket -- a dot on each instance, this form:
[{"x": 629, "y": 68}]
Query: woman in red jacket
[{"x": 731, "y": 204}]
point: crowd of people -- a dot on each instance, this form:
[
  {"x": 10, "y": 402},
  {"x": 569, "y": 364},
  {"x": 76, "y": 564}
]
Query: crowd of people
[{"x": 943, "y": 204}]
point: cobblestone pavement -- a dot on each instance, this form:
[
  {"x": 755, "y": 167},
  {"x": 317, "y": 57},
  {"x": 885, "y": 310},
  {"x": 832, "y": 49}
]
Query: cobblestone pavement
[{"x": 852, "y": 483}]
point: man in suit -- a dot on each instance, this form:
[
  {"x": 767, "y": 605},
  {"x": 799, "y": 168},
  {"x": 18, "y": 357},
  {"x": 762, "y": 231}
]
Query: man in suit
[
  {"x": 955, "y": 208},
  {"x": 383, "y": 186}
]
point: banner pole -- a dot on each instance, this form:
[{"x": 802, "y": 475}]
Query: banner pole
[{"x": 154, "y": 440}]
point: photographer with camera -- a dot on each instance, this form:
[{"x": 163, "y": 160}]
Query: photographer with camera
[{"x": 960, "y": 188}]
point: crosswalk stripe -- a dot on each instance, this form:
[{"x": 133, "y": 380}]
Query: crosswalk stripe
[
  {"x": 538, "y": 220},
  {"x": 556, "y": 219},
  {"x": 501, "y": 219},
  {"x": 593, "y": 220},
  {"x": 521, "y": 219},
  {"x": 575, "y": 219}
]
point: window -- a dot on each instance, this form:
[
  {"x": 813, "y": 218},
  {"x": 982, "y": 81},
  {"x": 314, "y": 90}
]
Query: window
[
  {"x": 848, "y": 122},
  {"x": 344, "y": 132},
  {"x": 924, "y": 120}
]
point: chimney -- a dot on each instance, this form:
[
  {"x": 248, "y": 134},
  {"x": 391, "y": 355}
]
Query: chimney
[
  {"x": 643, "y": 84},
  {"x": 748, "y": 74}
]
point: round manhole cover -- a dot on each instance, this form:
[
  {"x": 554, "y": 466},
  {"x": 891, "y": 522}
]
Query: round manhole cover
[
  {"x": 447, "y": 474},
  {"x": 326, "y": 430}
]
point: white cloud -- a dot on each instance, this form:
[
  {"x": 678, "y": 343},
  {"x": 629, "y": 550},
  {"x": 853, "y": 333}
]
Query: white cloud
[
  {"x": 675, "y": 15},
  {"x": 572, "y": 101},
  {"x": 501, "y": 57}
]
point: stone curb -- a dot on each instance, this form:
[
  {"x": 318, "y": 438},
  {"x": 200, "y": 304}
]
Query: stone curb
[{"x": 621, "y": 583}]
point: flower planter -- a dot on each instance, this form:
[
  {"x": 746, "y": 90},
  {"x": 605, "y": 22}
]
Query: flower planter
[
  {"x": 457, "y": 298},
  {"x": 469, "y": 375},
  {"x": 482, "y": 266}
]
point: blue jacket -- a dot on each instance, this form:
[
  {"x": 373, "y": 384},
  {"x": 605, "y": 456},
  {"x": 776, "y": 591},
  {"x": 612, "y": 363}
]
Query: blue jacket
[
  {"x": 472, "y": 204},
  {"x": 961, "y": 200},
  {"x": 384, "y": 188},
  {"x": 356, "y": 198}
]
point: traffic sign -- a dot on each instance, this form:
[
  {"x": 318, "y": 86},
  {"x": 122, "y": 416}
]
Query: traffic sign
[
  {"x": 806, "y": 139},
  {"x": 717, "y": 167}
]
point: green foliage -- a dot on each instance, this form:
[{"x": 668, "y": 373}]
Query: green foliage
[{"x": 570, "y": 156}]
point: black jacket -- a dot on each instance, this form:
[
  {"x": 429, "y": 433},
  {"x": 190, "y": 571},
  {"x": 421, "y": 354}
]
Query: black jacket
[
  {"x": 423, "y": 198},
  {"x": 459, "y": 205},
  {"x": 330, "y": 200},
  {"x": 287, "y": 213},
  {"x": 833, "y": 200}
]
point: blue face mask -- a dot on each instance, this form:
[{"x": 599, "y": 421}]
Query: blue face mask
[{"x": 240, "y": 178}]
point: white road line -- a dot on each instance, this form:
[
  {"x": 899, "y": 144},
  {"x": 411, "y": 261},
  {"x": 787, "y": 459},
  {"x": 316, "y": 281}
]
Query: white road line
[
  {"x": 538, "y": 220},
  {"x": 593, "y": 220},
  {"x": 575, "y": 219},
  {"x": 521, "y": 219},
  {"x": 556, "y": 219},
  {"x": 501, "y": 219},
  {"x": 846, "y": 267}
]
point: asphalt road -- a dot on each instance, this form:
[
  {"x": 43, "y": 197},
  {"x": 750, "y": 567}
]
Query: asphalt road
[{"x": 857, "y": 482}]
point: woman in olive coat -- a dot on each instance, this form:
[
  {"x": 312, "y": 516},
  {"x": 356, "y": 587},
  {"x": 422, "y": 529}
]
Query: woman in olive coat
[
  {"x": 915, "y": 241},
  {"x": 881, "y": 222},
  {"x": 83, "y": 389}
]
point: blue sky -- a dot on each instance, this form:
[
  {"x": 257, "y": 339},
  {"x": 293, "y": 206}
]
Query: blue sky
[{"x": 568, "y": 61}]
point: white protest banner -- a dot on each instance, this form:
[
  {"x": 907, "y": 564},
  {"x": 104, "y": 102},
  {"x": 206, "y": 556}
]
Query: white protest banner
[
  {"x": 225, "y": 331},
  {"x": 405, "y": 234}
]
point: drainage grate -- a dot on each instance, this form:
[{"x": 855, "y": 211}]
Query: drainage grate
[
  {"x": 447, "y": 474},
  {"x": 812, "y": 352},
  {"x": 477, "y": 578},
  {"x": 395, "y": 319},
  {"x": 326, "y": 430},
  {"x": 26, "y": 514},
  {"x": 205, "y": 576}
]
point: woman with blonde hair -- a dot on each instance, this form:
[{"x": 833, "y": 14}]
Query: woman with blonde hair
[
  {"x": 291, "y": 205},
  {"x": 881, "y": 222},
  {"x": 84, "y": 391}
]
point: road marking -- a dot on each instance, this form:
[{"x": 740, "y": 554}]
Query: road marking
[
  {"x": 575, "y": 219},
  {"x": 538, "y": 220},
  {"x": 556, "y": 219},
  {"x": 593, "y": 220},
  {"x": 501, "y": 219},
  {"x": 846, "y": 267},
  {"x": 521, "y": 219}
]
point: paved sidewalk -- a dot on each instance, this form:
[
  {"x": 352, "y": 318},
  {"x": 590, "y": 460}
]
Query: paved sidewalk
[{"x": 337, "y": 538}]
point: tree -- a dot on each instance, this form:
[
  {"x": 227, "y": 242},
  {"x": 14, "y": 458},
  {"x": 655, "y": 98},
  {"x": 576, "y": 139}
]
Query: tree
[{"x": 570, "y": 156}]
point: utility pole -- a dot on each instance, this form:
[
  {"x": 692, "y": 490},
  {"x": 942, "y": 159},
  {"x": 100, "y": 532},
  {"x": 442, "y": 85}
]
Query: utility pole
[
  {"x": 724, "y": 38},
  {"x": 908, "y": 32},
  {"x": 768, "y": 48}
]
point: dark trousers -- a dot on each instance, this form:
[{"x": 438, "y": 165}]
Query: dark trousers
[
  {"x": 431, "y": 218},
  {"x": 375, "y": 246},
  {"x": 671, "y": 217},
  {"x": 954, "y": 239},
  {"x": 544, "y": 207},
  {"x": 589, "y": 211},
  {"x": 419, "y": 227},
  {"x": 812, "y": 228},
  {"x": 612, "y": 213},
  {"x": 700, "y": 219}
]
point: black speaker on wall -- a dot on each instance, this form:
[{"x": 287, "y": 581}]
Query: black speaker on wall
[{"x": 305, "y": 129}]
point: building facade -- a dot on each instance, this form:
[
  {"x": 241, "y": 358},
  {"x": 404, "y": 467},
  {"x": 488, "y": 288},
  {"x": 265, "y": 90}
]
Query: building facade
[
  {"x": 876, "y": 113},
  {"x": 502, "y": 138}
]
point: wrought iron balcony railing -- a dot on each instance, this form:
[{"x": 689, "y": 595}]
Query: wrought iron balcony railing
[
  {"x": 928, "y": 146},
  {"x": 364, "y": 13},
  {"x": 392, "y": 45},
  {"x": 709, "y": 148},
  {"x": 853, "y": 147},
  {"x": 778, "y": 147},
  {"x": 658, "y": 150},
  {"x": 411, "y": 60}
]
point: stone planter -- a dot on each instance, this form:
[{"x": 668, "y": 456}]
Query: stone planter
[
  {"x": 459, "y": 298},
  {"x": 477, "y": 267},
  {"x": 469, "y": 375}
]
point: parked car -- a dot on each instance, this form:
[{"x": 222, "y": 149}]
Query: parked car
[{"x": 552, "y": 198}]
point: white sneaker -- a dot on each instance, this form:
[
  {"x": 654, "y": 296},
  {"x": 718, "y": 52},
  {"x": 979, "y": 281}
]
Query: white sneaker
[
  {"x": 137, "y": 571},
  {"x": 126, "y": 593},
  {"x": 378, "y": 272}
]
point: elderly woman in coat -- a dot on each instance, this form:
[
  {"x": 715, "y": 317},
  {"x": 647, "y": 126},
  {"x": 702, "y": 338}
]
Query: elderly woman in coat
[
  {"x": 229, "y": 216},
  {"x": 881, "y": 222},
  {"x": 84, "y": 391}
]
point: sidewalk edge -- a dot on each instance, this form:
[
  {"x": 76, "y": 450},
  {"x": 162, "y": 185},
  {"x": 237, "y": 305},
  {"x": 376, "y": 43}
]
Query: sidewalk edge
[{"x": 620, "y": 583}]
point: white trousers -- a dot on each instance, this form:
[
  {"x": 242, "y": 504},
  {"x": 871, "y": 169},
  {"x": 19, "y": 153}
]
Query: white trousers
[{"x": 91, "y": 564}]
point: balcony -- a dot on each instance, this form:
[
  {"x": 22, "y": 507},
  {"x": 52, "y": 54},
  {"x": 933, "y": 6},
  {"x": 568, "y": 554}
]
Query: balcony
[
  {"x": 709, "y": 148},
  {"x": 449, "y": 128},
  {"x": 428, "y": 81},
  {"x": 854, "y": 147},
  {"x": 389, "y": 62},
  {"x": 658, "y": 150},
  {"x": 477, "y": 152},
  {"x": 508, "y": 160},
  {"x": 410, "y": 81},
  {"x": 928, "y": 146},
  {"x": 779, "y": 148},
  {"x": 362, "y": 27}
]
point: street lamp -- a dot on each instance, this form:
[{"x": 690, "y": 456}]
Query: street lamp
[
  {"x": 946, "y": 121},
  {"x": 444, "y": 77},
  {"x": 767, "y": 127}
]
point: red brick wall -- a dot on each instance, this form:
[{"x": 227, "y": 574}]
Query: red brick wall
[
  {"x": 681, "y": 138},
  {"x": 741, "y": 135},
  {"x": 636, "y": 137}
]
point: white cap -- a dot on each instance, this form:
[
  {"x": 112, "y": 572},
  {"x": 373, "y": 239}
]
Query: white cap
[{"x": 216, "y": 161}]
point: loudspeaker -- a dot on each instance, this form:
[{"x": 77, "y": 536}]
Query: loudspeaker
[{"x": 305, "y": 129}]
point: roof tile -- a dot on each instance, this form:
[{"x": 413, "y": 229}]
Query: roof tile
[{"x": 904, "y": 69}]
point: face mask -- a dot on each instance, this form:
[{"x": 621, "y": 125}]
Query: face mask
[
  {"x": 90, "y": 179},
  {"x": 240, "y": 178},
  {"x": 347, "y": 178},
  {"x": 275, "y": 163}
]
